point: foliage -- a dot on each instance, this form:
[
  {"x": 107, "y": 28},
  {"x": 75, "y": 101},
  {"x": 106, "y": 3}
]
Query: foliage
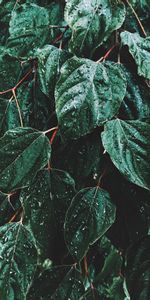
[{"x": 74, "y": 150}]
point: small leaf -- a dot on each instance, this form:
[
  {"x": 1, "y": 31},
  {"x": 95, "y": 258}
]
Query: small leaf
[
  {"x": 28, "y": 29},
  {"x": 137, "y": 270},
  {"x": 136, "y": 104},
  {"x": 50, "y": 60},
  {"x": 87, "y": 95},
  {"x": 128, "y": 144},
  {"x": 63, "y": 282},
  {"x": 10, "y": 71},
  {"x": 140, "y": 50},
  {"x": 23, "y": 152},
  {"x": 18, "y": 261},
  {"x": 92, "y": 22},
  {"x": 89, "y": 216}
]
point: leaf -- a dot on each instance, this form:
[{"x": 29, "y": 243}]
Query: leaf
[
  {"x": 18, "y": 261},
  {"x": 140, "y": 50},
  {"x": 87, "y": 95},
  {"x": 92, "y": 22},
  {"x": 62, "y": 282},
  {"x": 137, "y": 271},
  {"x": 50, "y": 60},
  {"x": 81, "y": 158},
  {"x": 45, "y": 203},
  {"x": 89, "y": 216},
  {"x": 9, "y": 72},
  {"x": 23, "y": 152},
  {"x": 136, "y": 104},
  {"x": 128, "y": 144},
  {"x": 28, "y": 29}
]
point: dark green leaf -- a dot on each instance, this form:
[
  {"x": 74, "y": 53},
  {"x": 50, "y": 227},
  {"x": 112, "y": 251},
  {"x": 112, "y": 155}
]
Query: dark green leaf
[
  {"x": 45, "y": 203},
  {"x": 50, "y": 60},
  {"x": 28, "y": 29},
  {"x": 9, "y": 72},
  {"x": 92, "y": 22},
  {"x": 81, "y": 158},
  {"x": 57, "y": 283},
  {"x": 136, "y": 104},
  {"x": 128, "y": 144},
  {"x": 18, "y": 260},
  {"x": 89, "y": 216},
  {"x": 137, "y": 272},
  {"x": 140, "y": 50},
  {"x": 23, "y": 152},
  {"x": 87, "y": 95}
]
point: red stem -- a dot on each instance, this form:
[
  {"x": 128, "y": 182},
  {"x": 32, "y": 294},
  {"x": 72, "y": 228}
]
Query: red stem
[
  {"x": 17, "y": 85},
  {"x": 53, "y": 136}
]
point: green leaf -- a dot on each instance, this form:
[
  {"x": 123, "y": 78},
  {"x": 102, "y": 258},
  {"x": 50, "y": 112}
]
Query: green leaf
[
  {"x": 18, "y": 261},
  {"x": 137, "y": 271},
  {"x": 89, "y": 216},
  {"x": 9, "y": 72},
  {"x": 50, "y": 60},
  {"x": 92, "y": 22},
  {"x": 140, "y": 50},
  {"x": 62, "y": 282},
  {"x": 87, "y": 95},
  {"x": 45, "y": 203},
  {"x": 128, "y": 144},
  {"x": 136, "y": 104},
  {"x": 28, "y": 29},
  {"x": 81, "y": 158},
  {"x": 23, "y": 152}
]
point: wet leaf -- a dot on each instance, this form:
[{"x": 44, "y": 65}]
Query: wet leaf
[
  {"x": 89, "y": 216},
  {"x": 63, "y": 282},
  {"x": 140, "y": 50},
  {"x": 128, "y": 144},
  {"x": 87, "y": 95},
  {"x": 23, "y": 152},
  {"x": 27, "y": 29},
  {"x": 18, "y": 261},
  {"x": 92, "y": 22},
  {"x": 137, "y": 271},
  {"x": 45, "y": 203},
  {"x": 50, "y": 60}
]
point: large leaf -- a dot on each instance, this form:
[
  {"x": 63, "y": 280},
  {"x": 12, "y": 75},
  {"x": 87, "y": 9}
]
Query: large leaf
[
  {"x": 87, "y": 95},
  {"x": 18, "y": 260},
  {"x": 128, "y": 144},
  {"x": 89, "y": 216},
  {"x": 50, "y": 60},
  {"x": 45, "y": 203},
  {"x": 137, "y": 271},
  {"x": 23, "y": 152},
  {"x": 92, "y": 22},
  {"x": 28, "y": 29},
  {"x": 140, "y": 50},
  {"x": 63, "y": 282}
]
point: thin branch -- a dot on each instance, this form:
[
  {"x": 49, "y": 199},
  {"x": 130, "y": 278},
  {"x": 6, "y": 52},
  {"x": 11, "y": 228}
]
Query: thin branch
[
  {"x": 18, "y": 107},
  {"x": 107, "y": 53},
  {"x": 137, "y": 18},
  {"x": 17, "y": 85},
  {"x": 53, "y": 136},
  {"x": 49, "y": 130}
]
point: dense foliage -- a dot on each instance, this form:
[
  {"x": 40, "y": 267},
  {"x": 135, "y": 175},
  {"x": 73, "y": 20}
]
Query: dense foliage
[{"x": 74, "y": 150}]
